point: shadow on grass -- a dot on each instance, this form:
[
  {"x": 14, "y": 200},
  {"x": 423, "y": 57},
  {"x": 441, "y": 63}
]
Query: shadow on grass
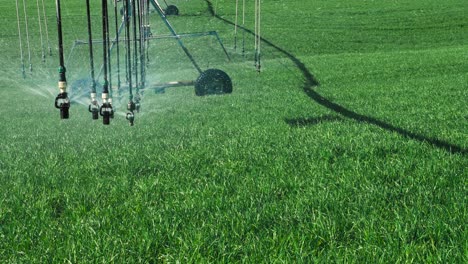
[
  {"x": 310, "y": 82},
  {"x": 311, "y": 121}
]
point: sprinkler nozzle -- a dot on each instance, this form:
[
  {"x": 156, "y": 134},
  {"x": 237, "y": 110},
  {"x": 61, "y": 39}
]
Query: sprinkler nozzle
[
  {"x": 94, "y": 109},
  {"x": 137, "y": 106},
  {"x": 106, "y": 112},
  {"x": 131, "y": 106},
  {"x": 137, "y": 103},
  {"x": 62, "y": 102},
  {"x": 131, "y": 118}
]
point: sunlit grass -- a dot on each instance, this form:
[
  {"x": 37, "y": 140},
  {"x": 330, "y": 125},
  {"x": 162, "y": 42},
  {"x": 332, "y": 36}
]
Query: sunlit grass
[{"x": 265, "y": 174}]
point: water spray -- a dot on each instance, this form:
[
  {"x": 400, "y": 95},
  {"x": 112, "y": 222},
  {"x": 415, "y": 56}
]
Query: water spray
[
  {"x": 94, "y": 105},
  {"x": 62, "y": 101}
]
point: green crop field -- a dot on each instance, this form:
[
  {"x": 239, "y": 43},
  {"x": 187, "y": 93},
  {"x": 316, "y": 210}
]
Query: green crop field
[{"x": 350, "y": 146}]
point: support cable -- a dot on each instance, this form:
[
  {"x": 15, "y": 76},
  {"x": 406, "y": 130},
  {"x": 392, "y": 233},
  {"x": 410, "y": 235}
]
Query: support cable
[
  {"x": 27, "y": 35},
  {"x": 23, "y": 72},
  {"x": 40, "y": 30},
  {"x": 46, "y": 28},
  {"x": 236, "y": 24},
  {"x": 243, "y": 26},
  {"x": 259, "y": 36},
  {"x": 255, "y": 33},
  {"x": 173, "y": 32}
]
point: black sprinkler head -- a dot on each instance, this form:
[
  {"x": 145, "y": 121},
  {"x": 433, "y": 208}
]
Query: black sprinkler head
[
  {"x": 64, "y": 113},
  {"x": 131, "y": 106},
  {"x": 106, "y": 112},
  {"x": 106, "y": 120},
  {"x": 131, "y": 118},
  {"x": 137, "y": 103},
  {"x": 62, "y": 102},
  {"x": 137, "y": 107},
  {"x": 94, "y": 110}
]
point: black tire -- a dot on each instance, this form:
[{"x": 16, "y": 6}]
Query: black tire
[
  {"x": 171, "y": 10},
  {"x": 213, "y": 81}
]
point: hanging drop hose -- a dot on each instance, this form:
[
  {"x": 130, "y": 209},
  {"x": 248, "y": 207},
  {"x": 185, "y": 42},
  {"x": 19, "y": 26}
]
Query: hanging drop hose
[
  {"x": 235, "y": 25},
  {"x": 259, "y": 36},
  {"x": 143, "y": 34},
  {"x": 135, "y": 55},
  {"x": 255, "y": 33},
  {"x": 106, "y": 110},
  {"x": 142, "y": 61},
  {"x": 126, "y": 47},
  {"x": 46, "y": 28},
  {"x": 243, "y": 26},
  {"x": 62, "y": 101},
  {"x": 118, "y": 48},
  {"x": 40, "y": 30},
  {"x": 23, "y": 72},
  {"x": 109, "y": 61},
  {"x": 27, "y": 35},
  {"x": 94, "y": 105},
  {"x": 141, "y": 43},
  {"x": 131, "y": 105},
  {"x": 148, "y": 31}
]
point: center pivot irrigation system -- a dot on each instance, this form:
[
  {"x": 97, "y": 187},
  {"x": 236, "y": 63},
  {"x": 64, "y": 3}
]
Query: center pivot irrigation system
[
  {"x": 135, "y": 27},
  {"x": 134, "y": 17}
]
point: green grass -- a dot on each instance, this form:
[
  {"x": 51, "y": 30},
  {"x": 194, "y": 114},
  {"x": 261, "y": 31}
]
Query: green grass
[{"x": 264, "y": 175}]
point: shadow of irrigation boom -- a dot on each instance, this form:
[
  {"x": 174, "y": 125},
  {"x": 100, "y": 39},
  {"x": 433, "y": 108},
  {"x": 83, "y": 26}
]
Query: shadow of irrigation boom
[{"x": 310, "y": 82}]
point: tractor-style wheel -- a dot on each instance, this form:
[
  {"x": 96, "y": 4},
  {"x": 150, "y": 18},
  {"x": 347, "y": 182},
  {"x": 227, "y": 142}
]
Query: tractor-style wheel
[
  {"x": 171, "y": 10},
  {"x": 213, "y": 81}
]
